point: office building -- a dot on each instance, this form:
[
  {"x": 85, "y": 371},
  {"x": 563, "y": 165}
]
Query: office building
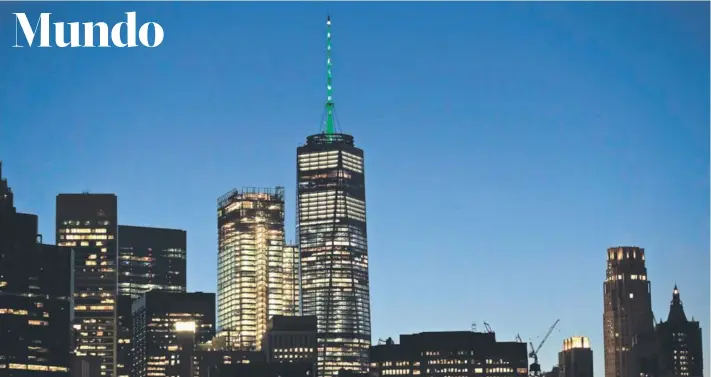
[
  {"x": 255, "y": 269},
  {"x": 221, "y": 360},
  {"x": 451, "y": 353},
  {"x": 166, "y": 324},
  {"x": 87, "y": 224},
  {"x": 576, "y": 359},
  {"x": 291, "y": 280},
  {"x": 350, "y": 373},
  {"x": 627, "y": 313},
  {"x": 35, "y": 296},
  {"x": 124, "y": 328},
  {"x": 210, "y": 360},
  {"x": 291, "y": 339},
  {"x": 149, "y": 259},
  {"x": 218, "y": 359},
  {"x": 331, "y": 227},
  {"x": 681, "y": 351},
  {"x": 182, "y": 364},
  {"x": 262, "y": 369},
  {"x": 85, "y": 366}
]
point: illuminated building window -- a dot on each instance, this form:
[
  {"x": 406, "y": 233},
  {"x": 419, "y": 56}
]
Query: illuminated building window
[{"x": 257, "y": 272}]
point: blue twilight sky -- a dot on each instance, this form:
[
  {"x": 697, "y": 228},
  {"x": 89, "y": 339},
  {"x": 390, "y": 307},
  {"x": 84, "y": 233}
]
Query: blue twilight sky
[{"x": 507, "y": 144}]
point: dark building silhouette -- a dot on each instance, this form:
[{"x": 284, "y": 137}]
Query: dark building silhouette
[
  {"x": 35, "y": 296},
  {"x": 291, "y": 339},
  {"x": 456, "y": 353},
  {"x": 627, "y": 316},
  {"x": 124, "y": 330},
  {"x": 645, "y": 355},
  {"x": 87, "y": 224},
  {"x": 681, "y": 351},
  {"x": 149, "y": 259},
  {"x": 288, "y": 349},
  {"x": 261, "y": 369},
  {"x": 576, "y": 358},
  {"x": 332, "y": 240},
  {"x": 211, "y": 360},
  {"x": 166, "y": 324},
  {"x": 554, "y": 372},
  {"x": 85, "y": 366},
  {"x": 350, "y": 373}
]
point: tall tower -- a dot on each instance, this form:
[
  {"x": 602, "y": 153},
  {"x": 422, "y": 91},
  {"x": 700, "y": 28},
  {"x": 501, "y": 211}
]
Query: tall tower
[
  {"x": 331, "y": 227},
  {"x": 681, "y": 351},
  {"x": 255, "y": 270},
  {"x": 87, "y": 223},
  {"x": 627, "y": 309},
  {"x": 576, "y": 359}
]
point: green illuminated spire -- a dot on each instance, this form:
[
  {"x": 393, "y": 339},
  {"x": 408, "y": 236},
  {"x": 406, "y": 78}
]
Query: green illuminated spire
[{"x": 329, "y": 88}]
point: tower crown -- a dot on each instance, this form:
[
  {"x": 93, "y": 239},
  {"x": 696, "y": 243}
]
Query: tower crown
[
  {"x": 576, "y": 342},
  {"x": 625, "y": 253},
  {"x": 676, "y": 308}
]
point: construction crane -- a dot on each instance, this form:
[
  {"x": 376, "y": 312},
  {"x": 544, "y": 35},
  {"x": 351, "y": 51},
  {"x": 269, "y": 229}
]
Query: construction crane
[
  {"x": 535, "y": 368},
  {"x": 388, "y": 341},
  {"x": 518, "y": 338},
  {"x": 488, "y": 328}
]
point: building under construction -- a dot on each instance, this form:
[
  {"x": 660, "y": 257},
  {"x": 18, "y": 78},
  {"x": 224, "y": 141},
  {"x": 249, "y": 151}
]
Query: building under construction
[{"x": 256, "y": 271}]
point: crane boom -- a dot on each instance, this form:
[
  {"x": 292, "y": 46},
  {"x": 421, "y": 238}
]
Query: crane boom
[
  {"x": 535, "y": 368},
  {"x": 547, "y": 335}
]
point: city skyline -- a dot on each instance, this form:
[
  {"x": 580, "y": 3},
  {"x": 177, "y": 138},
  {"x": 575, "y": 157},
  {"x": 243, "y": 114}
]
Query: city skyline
[{"x": 670, "y": 258}]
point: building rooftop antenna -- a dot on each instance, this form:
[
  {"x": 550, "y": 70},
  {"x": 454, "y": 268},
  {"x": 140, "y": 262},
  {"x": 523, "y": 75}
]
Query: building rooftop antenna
[{"x": 329, "y": 126}]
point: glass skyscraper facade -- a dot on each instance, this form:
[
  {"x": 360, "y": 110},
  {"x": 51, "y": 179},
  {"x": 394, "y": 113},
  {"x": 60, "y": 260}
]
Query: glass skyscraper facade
[
  {"x": 255, "y": 268},
  {"x": 333, "y": 250},
  {"x": 161, "y": 320},
  {"x": 87, "y": 223},
  {"x": 291, "y": 280},
  {"x": 149, "y": 259}
]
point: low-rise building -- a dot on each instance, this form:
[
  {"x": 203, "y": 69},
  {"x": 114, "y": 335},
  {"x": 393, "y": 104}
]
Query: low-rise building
[{"x": 455, "y": 353}]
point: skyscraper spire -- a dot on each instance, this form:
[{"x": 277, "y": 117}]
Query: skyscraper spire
[
  {"x": 676, "y": 309},
  {"x": 329, "y": 127}
]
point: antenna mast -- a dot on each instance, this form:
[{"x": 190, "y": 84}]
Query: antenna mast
[{"x": 329, "y": 129}]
